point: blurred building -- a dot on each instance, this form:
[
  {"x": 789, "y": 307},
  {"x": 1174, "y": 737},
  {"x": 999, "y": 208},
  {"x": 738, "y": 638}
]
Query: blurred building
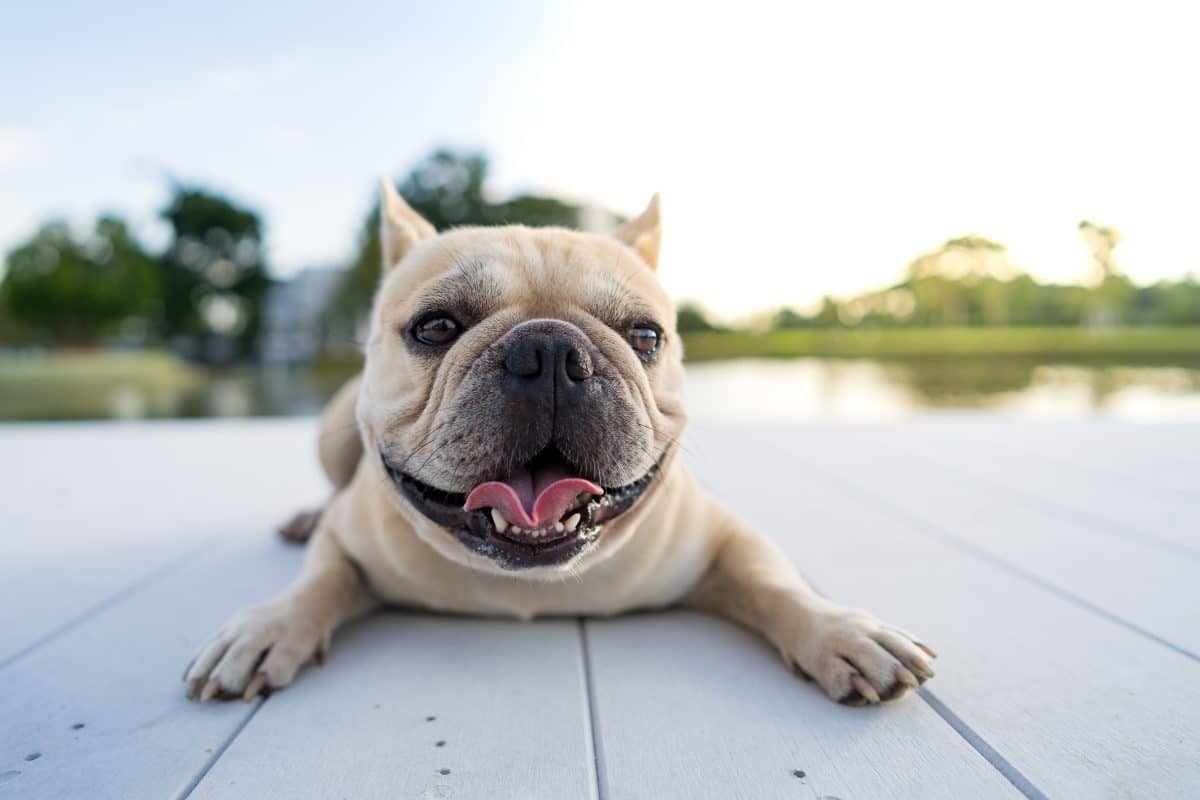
[{"x": 295, "y": 324}]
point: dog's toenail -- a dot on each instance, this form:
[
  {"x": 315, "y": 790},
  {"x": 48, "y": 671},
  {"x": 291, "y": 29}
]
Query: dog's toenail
[
  {"x": 799, "y": 773},
  {"x": 34, "y": 756},
  {"x": 77, "y": 726},
  {"x": 443, "y": 772},
  {"x": 441, "y": 743},
  {"x": 430, "y": 719}
]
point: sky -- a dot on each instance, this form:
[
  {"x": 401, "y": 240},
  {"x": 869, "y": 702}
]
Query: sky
[{"x": 800, "y": 149}]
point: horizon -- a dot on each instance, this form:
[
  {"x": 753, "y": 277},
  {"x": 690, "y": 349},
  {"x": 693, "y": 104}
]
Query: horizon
[{"x": 843, "y": 174}]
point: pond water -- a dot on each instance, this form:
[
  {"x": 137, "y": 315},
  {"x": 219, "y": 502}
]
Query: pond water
[
  {"x": 805, "y": 389},
  {"x": 747, "y": 389}
]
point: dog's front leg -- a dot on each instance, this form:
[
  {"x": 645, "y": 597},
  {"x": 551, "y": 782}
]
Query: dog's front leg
[
  {"x": 263, "y": 646},
  {"x": 853, "y": 656}
]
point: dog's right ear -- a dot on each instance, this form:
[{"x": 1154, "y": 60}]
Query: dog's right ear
[
  {"x": 644, "y": 232},
  {"x": 399, "y": 226}
]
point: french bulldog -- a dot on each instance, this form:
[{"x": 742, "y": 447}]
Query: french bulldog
[{"x": 510, "y": 448}]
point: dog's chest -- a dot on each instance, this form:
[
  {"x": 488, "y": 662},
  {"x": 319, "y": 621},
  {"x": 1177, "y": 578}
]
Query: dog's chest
[{"x": 632, "y": 579}]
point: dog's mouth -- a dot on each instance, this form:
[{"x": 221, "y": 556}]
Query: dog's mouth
[{"x": 544, "y": 513}]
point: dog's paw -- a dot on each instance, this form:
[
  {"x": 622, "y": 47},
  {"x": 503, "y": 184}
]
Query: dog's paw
[
  {"x": 258, "y": 649},
  {"x": 299, "y": 529},
  {"x": 857, "y": 659}
]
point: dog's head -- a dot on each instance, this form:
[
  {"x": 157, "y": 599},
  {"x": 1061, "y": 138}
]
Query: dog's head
[{"x": 523, "y": 387}]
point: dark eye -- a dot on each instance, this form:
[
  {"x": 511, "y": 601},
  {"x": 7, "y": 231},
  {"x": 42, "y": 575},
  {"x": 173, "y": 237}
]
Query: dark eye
[
  {"x": 437, "y": 330},
  {"x": 644, "y": 340}
]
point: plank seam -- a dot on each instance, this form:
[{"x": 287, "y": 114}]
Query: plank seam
[
  {"x": 980, "y": 745},
  {"x": 936, "y": 532},
  {"x": 1069, "y": 513},
  {"x": 1071, "y": 463},
  {"x": 1100, "y": 523},
  {"x": 989, "y": 754},
  {"x": 112, "y": 600},
  {"x": 591, "y": 708},
  {"x": 191, "y": 785}
]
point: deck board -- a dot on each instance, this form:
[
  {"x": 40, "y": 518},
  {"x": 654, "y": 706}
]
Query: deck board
[
  {"x": 1146, "y": 461},
  {"x": 89, "y": 510},
  {"x": 508, "y": 701},
  {"x": 951, "y": 491},
  {"x": 1075, "y": 702},
  {"x": 1095, "y": 490},
  {"x": 1067, "y": 631},
  {"x": 118, "y": 674},
  {"x": 1162, "y": 455},
  {"x": 689, "y": 706}
]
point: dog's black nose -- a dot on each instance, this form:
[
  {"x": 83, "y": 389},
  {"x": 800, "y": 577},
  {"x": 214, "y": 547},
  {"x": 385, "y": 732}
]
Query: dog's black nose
[{"x": 548, "y": 357}]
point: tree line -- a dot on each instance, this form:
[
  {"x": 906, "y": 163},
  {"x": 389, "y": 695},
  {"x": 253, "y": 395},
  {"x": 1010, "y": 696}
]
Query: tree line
[
  {"x": 204, "y": 293},
  {"x": 972, "y": 281}
]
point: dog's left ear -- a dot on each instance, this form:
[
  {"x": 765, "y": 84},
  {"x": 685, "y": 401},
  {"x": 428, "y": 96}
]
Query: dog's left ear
[
  {"x": 643, "y": 233},
  {"x": 399, "y": 226}
]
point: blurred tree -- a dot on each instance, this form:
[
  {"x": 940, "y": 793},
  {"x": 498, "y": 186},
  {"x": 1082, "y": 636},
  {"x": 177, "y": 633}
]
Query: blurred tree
[
  {"x": 75, "y": 291},
  {"x": 449, "y": 189},
  {"x": 692, "y": 318},
  {"x": 536, "y": 211},
  {"x": 961, "y": 282},
  {"x": 215, "y": 276},
  {"x": 789, "y": 317},
  {"x": 827, "y": 315},
  {"x": 353, "y": 297},
  {"x": 971, "y": 280},
  {"x": 1101, "y": 240},
  {"x": 1170, "y": 303},
  {"x": 1112, "y": 300},
  {"x": 963, "y": 257}
]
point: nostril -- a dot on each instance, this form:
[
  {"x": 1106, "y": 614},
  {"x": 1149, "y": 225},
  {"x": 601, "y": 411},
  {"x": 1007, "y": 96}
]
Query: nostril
[
  {"x": 538, "y": 356},
  {"x": 579, "y": 364},
  {"x": 525, "y": 358}
]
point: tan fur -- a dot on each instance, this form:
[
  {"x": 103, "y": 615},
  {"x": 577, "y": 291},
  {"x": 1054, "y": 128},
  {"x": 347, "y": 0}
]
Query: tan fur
[
  {"x": 676, "y": 545},
  {"x": 339, "y": 445}
]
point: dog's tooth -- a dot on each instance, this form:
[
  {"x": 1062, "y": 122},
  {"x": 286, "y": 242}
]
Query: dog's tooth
[
  {"x": 499, "y": 520},
  {"x": 516, "y": 529},
  {"x": 558, "y": 526},
  {"x": 571, "y": 522}
]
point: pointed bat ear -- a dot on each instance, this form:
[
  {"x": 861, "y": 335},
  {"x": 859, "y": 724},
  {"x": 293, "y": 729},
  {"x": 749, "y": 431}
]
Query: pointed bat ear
[
  {"x": 399, "y": 226},
  {"x": 643, "y": 233}
]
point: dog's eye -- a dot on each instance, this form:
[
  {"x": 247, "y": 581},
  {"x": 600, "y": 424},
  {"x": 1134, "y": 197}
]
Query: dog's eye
[
  {"x": 644, "y": 340},
  {"x": 436, "y": 331}
]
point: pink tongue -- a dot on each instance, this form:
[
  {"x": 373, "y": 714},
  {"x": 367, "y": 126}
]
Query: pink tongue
[{"x": 531, "y": 501}]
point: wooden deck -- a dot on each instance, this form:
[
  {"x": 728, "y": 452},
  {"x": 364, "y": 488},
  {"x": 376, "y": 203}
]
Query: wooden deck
[{"x": 1056, "y": 567}]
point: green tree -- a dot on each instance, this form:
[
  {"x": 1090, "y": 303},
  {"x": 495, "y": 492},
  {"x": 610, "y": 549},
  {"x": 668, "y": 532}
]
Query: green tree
[
  {"x": 788, "y": 317},
  {"x": 1101, "y": 240},
  {"x": 692, "y": 318},
  {"x": 1113, "y": 298},
  {"x": 74, "y": 291},
  {"x": 449, "y": 189},
  {"x": 215, "y": 275}
]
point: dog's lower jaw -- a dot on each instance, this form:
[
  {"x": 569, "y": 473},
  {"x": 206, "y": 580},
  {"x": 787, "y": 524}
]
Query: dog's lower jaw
[{"x": 482, "y": 535}]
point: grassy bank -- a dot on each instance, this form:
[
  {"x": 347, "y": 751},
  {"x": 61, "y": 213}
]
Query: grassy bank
[
  {"x": 1125, "y": 344},
  {"x": 150, "y": 366},
  {"x": 83, "y": 384}
]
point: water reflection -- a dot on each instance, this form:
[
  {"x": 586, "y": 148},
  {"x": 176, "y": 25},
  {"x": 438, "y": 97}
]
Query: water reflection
[
  {"x": 748, "y": 389},
  {"x": 860, "y": 389}
]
